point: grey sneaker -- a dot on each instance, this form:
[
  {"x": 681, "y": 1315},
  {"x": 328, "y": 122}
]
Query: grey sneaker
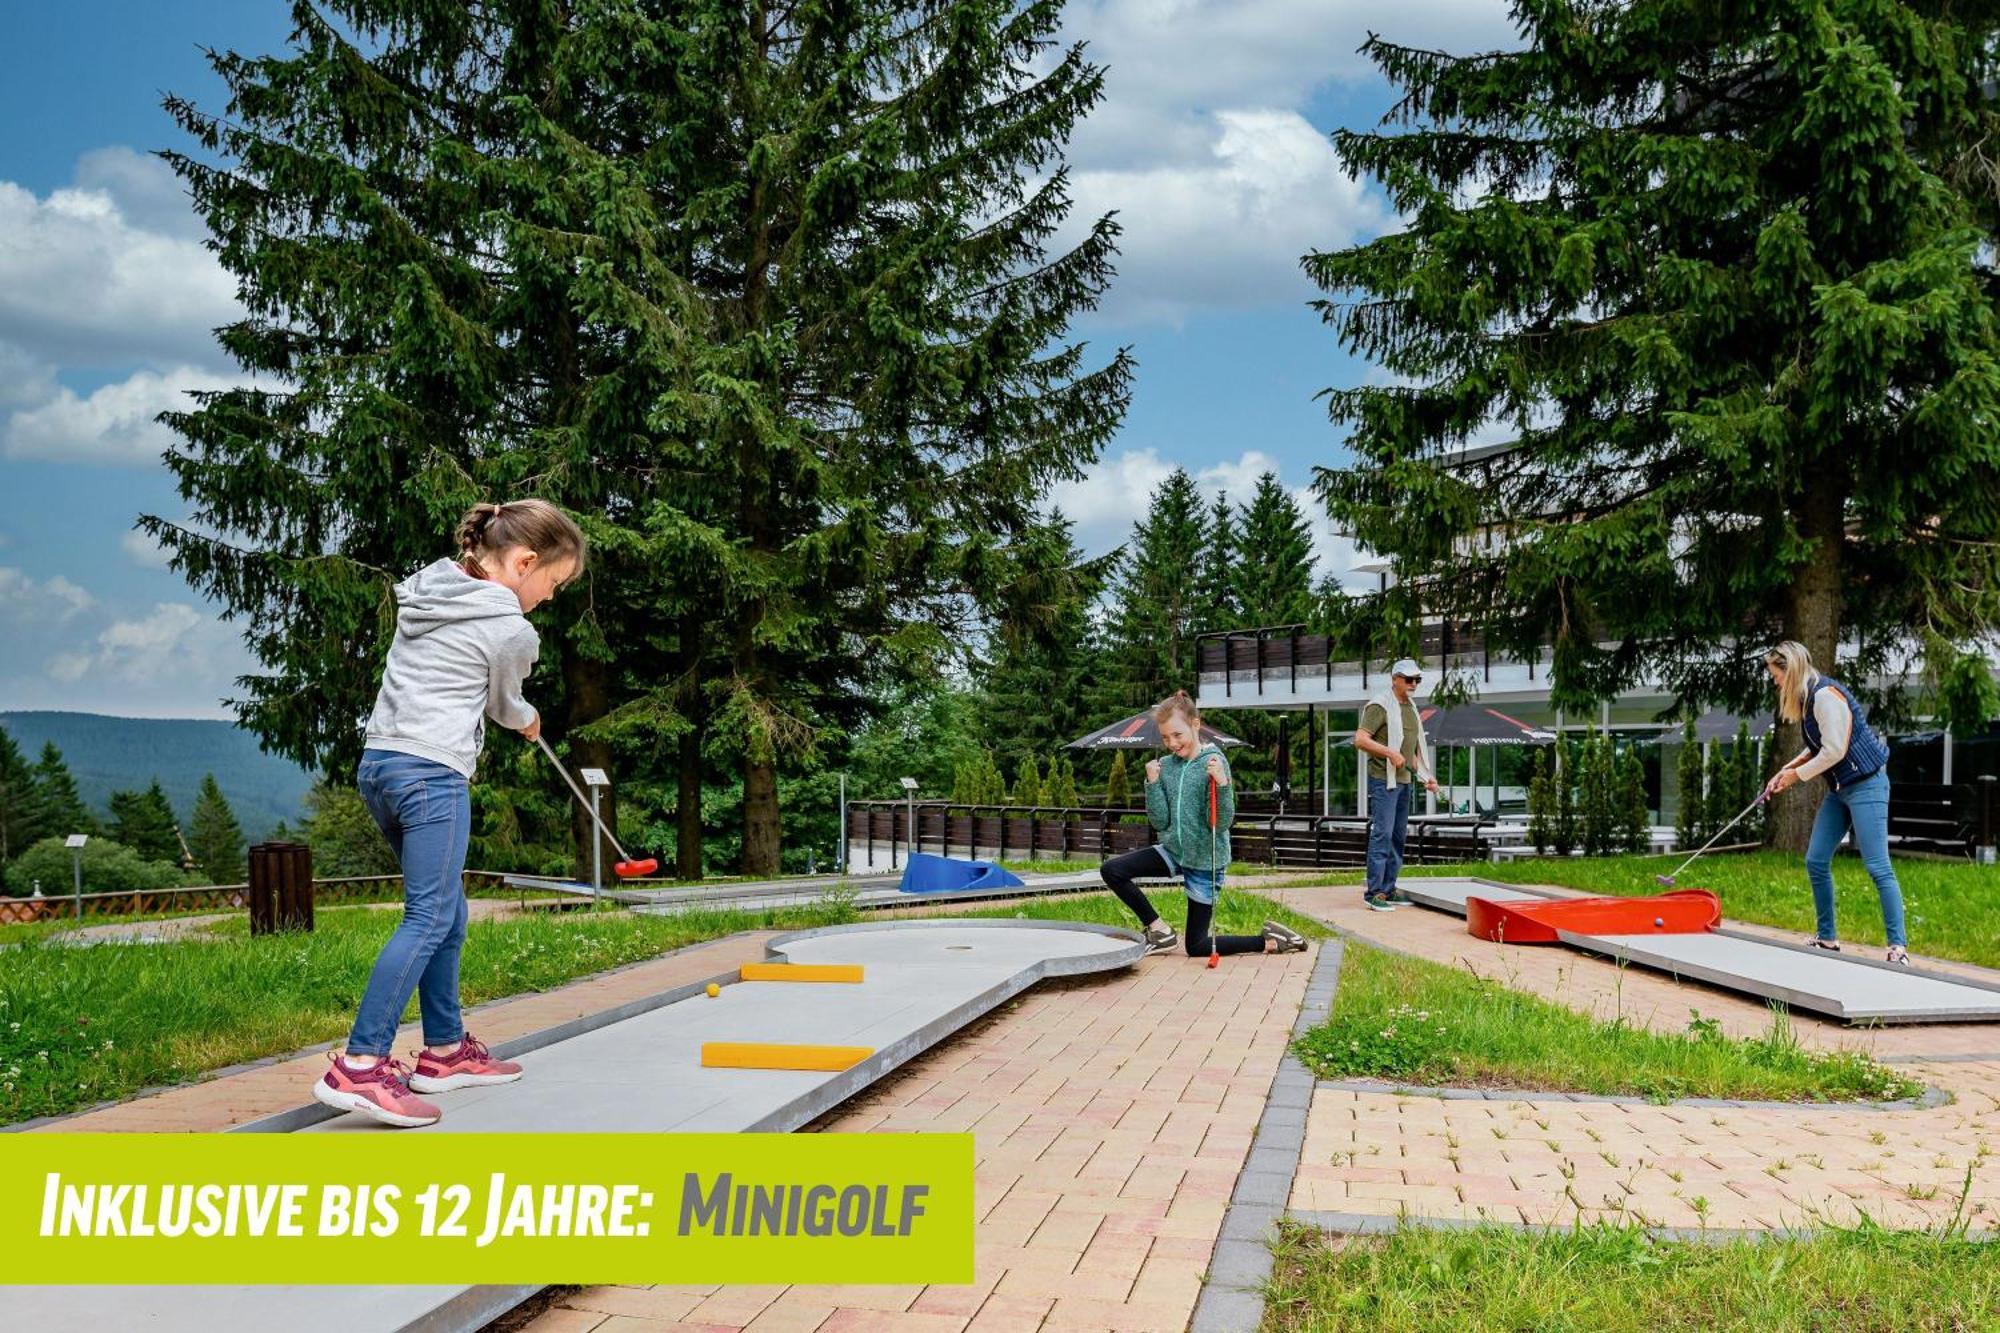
[
  {"x": 1898, "y": 955},
  {"x": 1283, "y": 938},
  {"x": 1162, "y": 938}
]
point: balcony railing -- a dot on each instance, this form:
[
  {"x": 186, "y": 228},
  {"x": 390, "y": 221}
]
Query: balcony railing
[{"x": 1287, "y": 654}]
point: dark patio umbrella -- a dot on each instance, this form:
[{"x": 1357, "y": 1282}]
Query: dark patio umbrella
[
  {"x": 1140, "y": 732},
  {"x": 1719, "y": 726},
  {"x": 1471, "y": 724}
]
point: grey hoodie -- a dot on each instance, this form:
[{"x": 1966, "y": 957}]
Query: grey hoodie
[{"x": 461, "y": 651}]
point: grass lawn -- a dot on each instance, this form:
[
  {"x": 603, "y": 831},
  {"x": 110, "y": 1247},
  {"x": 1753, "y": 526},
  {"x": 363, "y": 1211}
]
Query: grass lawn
[
  {"x": 84, "y": 1025},
  {"x": 1952, "y": 907},
  {"x": 1615, "y": 1280},
  {"x": 1418, "y": 1022}
]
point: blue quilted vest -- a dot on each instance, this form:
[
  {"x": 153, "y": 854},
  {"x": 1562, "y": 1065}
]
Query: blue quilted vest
[{"x": 1866, "y": 750}]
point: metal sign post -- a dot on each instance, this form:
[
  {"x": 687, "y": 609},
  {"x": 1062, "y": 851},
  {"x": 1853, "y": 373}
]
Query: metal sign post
[
  {"x": 75, "y": 842},
  {"x": 595, "y": 779}
]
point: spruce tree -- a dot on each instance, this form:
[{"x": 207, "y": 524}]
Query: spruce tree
[
  {"x": 1633, "y": 814},
  {"x": 1723, "y": 276},
  {"x": 22, "y": 818},
  {"x": 1541, "y": 804},
  {"x": 214, "y": 836},
  {"x": 1044, "y": 650},
  {"x": 1274, "y": 570},
  {"x": 1061, "y": 789},
  {"x": 1690, "y": 771},
  {"x": 60, "y": 809},
  {"x": 763, "y": 295},
  {"x": 1118, "y": 788},
  {"x": 144, "y": 821},
  {"x": 1155, "y": 601},
  {"x": 1218, "y": 590},
  {"x": 1566, "y": 831},
  {"x": 1027, "y": 784}
]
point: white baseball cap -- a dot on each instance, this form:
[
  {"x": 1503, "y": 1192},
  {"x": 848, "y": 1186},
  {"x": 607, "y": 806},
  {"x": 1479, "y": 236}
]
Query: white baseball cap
[{"x": 1406, "y": 667}]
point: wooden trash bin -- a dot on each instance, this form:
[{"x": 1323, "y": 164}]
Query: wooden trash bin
[{"x": 281, "y": 887}]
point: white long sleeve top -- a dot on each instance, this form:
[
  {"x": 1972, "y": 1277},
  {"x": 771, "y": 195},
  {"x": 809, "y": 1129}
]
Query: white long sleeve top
[{"x": 1836, "y": 730}]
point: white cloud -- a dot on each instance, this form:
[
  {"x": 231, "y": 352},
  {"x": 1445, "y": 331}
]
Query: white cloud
[
  {"x": 105, "y": 273},
  {"x": 136, "y": 650},
  {"x": 25, "y": 600},
  {"x": 114, "y": 424},
  {"x": 1226, "y": 231},
  {"x": 143, "y": 550}
]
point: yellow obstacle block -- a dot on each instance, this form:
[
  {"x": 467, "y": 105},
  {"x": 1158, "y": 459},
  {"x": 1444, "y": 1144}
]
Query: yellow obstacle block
[
  {"x": 767, "y": 1055},
  {"x": 848, "y": 972}
]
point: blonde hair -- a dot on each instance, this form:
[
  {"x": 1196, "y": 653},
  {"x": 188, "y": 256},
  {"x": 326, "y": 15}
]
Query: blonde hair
[
  {"x": 1796, "y": 663},
  {"x": 1178, "y": 702},
  {"x": 490, "y": 529}
]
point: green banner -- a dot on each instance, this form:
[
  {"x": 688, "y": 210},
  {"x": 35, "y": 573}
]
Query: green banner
[{"x": 486, "y": 1208}]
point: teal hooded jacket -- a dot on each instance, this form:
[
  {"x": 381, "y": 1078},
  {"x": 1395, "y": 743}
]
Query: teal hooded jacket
[{"x": 1178, "y": 807}]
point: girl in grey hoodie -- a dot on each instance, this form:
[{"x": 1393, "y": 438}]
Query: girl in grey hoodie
[{"x": 463, "y": 646}]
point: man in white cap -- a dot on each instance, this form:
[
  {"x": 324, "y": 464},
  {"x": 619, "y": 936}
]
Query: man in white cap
[{"x": 1392, "y": 734}]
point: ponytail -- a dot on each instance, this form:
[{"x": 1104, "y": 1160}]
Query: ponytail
[{"x": 1178, "y": 702}]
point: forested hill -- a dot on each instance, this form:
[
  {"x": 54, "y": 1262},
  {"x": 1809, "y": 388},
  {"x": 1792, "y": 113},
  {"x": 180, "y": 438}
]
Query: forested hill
[{"x": 106, "y": 754}]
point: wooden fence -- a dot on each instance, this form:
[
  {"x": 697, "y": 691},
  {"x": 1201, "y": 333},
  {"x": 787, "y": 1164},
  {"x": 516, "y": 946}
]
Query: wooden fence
[
  {"x": 334, "y": 892},
  {"x": 1063, "y": 833}
]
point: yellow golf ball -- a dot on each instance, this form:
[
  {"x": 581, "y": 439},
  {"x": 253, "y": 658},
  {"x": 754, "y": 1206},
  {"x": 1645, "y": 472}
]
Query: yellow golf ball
[{"x": 713, "y": 990}]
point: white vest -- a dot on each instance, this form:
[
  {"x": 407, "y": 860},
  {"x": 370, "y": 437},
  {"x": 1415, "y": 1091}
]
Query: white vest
[{"x": 1393, "y": 710}]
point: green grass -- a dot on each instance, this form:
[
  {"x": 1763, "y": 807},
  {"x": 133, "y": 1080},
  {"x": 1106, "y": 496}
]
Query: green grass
[
  {"x": 1952, "y": 907},
  {"x": 1609, "y": 1279},
  {"x": 1418, "y": 1022},
  {"x": 84, "y": 1025}
]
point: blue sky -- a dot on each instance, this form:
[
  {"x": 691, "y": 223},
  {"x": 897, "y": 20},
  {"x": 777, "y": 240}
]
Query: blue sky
[{"x": 1211, "y": 143}]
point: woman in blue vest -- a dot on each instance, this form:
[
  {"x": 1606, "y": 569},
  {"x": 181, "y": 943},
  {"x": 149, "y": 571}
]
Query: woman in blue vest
[{"x": 1853, "y": 758}]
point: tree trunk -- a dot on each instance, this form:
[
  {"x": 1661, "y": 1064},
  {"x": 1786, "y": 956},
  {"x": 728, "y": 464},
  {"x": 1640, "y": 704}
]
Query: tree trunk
[
  {"x": 1812, "y": 618},
  {"x": 687, "y": 807},
  {"x": 588, "y": 699}
]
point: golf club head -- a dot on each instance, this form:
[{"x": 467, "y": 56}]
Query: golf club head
[
  {"x": 1664, "y": 881},
  {"x": 635, "y": 869}
]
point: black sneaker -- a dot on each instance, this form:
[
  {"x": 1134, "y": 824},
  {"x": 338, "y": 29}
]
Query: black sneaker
[
  {"x": 1377, "y": 902},
  {"x": 1831, "y": 946},
  {"x": 1162, "y": 938},
  {"x": 1283, "y": 938}
]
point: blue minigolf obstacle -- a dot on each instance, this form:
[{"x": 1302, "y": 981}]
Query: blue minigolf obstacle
[{"x": 925, "y": 873}]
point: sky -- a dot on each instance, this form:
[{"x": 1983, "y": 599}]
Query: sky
[{"x": 1212, "y": 143}]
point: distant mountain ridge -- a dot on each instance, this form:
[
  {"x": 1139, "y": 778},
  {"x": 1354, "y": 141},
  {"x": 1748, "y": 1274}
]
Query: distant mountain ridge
[{"x": 108, "y": 754}]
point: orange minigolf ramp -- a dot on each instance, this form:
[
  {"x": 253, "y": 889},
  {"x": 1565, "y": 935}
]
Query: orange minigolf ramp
[{"x": 1681, "y": 912}]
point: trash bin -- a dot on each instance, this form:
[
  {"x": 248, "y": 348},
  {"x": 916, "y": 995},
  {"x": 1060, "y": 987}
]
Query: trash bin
[{"x": 281, "y": 887}]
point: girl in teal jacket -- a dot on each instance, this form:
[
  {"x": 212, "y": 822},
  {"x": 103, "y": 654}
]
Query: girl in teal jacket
[{"x": 1192, "y": 801}]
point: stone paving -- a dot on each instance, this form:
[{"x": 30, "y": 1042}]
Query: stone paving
[{"x": 1111, "y": 1117}]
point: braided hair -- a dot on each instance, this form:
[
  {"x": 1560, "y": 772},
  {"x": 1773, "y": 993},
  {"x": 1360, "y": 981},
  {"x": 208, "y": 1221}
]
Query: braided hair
[{"x": 489, "y": 529}]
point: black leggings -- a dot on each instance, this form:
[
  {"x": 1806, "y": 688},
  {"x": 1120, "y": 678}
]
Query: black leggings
[{"x": 1146, "y": 863}]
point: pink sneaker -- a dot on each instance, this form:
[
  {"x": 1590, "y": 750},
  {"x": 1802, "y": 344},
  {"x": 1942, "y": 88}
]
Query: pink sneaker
[
  {"x": 380, "y": 1092},
  {"x": 470, "y": 1066}
]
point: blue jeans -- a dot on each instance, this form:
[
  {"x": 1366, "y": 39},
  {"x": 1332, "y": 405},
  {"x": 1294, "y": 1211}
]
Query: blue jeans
[
  {"x": 425, "y": 811},
  {"x": 1864, "y": 806},
  {"x": 1388, "y": 828}
]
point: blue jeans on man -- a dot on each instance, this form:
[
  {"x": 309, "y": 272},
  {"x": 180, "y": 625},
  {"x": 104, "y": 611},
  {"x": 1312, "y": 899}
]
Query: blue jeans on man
[
  {"x": 424, "y": 809},
  {"x": 1388, "y": 828},
  {"x": 1864, "y": 807}
]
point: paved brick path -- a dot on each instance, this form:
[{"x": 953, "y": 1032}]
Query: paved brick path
[{"x": 1111, "y": 1118}]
